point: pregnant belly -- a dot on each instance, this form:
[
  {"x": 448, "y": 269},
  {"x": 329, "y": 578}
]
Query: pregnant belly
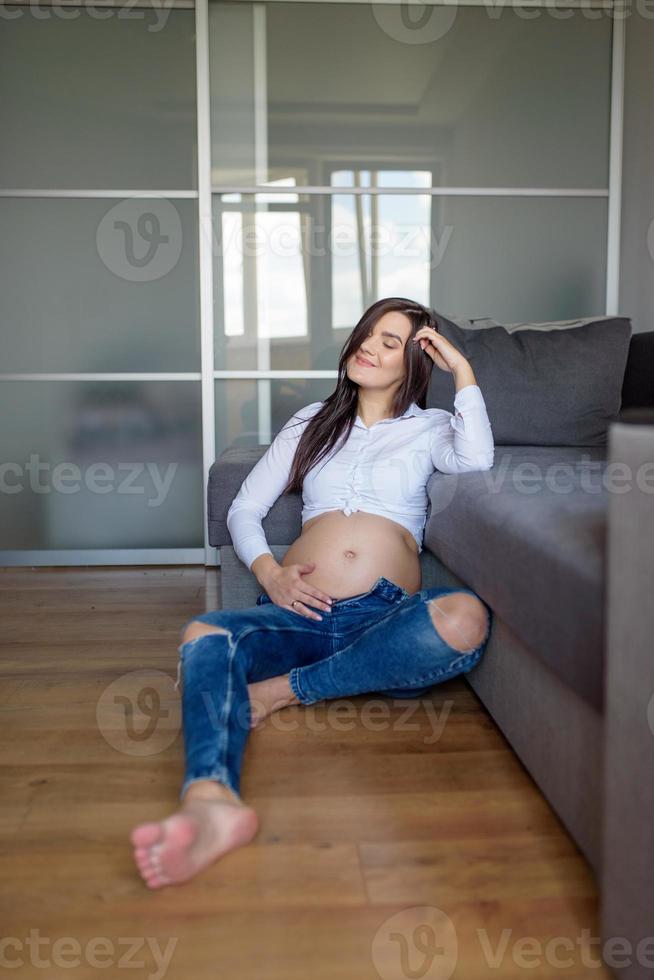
[{"x": 351, "y": 553}]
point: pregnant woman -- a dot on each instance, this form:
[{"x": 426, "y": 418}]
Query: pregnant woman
[{"x": 344, "y": 612}]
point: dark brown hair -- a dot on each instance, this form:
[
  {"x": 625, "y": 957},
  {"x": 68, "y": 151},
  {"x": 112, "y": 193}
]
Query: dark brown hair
[{"x": 337, "y": 416}]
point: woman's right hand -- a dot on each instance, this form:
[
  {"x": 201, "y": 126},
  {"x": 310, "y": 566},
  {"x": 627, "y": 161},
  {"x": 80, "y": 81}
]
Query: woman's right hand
[{"x": 286, "y": 584}]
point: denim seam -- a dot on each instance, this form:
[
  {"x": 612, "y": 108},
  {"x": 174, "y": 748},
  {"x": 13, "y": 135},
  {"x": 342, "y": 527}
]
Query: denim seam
[
  {"x": 294, "y": 684},
  {"x": 222, "y": 775},
  {"x": 437, "y": 673}
]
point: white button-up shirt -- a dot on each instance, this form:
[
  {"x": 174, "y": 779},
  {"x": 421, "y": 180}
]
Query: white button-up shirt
[{"x": 381, "y": 470}]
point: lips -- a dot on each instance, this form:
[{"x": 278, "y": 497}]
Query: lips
[{"x": 362, "y": 361}]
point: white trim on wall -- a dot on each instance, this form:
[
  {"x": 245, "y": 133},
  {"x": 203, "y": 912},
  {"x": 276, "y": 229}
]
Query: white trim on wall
[
  {"x": 100, "y": 193},
  {"x": 190, "y": 4},
  {"x": 443, "y": 191},
  {"x": 205, "y": 253},
  {"x": 107, "y": 376},
  {"x": 106, "y": 556},
  {"x": 260, "y": 81},
  {"x": 117, "y": 4},
  {"x": 615, "y": 161},
  {"x": 582, "y": 4},
  {"x": 239, "y": 375}
]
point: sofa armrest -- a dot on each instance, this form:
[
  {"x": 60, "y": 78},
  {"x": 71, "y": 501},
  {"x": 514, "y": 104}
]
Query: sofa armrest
[{"x": 628, "y": 805}]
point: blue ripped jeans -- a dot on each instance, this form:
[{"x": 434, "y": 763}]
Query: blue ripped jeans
[{"x": 383, "y": 640}]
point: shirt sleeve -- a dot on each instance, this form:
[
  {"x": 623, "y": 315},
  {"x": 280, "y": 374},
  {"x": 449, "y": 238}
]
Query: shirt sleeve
[
  {"x": 463, "y": 441},
  {"x": 262, "y": 486}
]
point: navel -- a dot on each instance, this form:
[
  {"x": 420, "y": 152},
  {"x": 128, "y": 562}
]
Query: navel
[{"x": 350, "y": 554}]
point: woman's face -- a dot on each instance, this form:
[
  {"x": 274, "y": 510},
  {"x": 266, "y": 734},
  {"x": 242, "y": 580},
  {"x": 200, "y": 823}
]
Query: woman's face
[{"x": 383, "y": 349}]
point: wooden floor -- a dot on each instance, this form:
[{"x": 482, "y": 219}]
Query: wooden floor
[{"x": 395, "y": 842}]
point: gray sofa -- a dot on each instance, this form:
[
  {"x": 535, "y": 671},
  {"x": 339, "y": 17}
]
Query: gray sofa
[{"x": 568, "y": 675}]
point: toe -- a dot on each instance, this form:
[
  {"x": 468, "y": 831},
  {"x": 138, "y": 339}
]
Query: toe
[
  {"x": 146, "y": 834},
  {"x": 144, "y": 863}
]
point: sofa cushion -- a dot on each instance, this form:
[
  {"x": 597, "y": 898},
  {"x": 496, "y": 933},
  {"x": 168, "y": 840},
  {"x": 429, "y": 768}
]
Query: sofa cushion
[
  {"x": 544, "y": 384},
  {"x": 530, "y": 539}
]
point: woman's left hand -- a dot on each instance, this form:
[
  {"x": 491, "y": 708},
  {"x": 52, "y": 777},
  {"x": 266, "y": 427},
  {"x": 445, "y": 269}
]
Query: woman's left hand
[{"x": 442, "y": 352}]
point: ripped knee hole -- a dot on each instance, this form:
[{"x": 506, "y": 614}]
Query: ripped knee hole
[
  {"x": 195, "y": 630},
  {"x": 460, "y": 620}
]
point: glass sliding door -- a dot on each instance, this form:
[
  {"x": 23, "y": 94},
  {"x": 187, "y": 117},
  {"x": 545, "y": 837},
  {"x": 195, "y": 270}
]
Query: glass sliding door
[
  {"x": 100, "y": 448},
  {"x": 338, "y": 153}
]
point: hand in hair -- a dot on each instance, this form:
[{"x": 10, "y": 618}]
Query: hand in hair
[{"x": 442, "y": 352}]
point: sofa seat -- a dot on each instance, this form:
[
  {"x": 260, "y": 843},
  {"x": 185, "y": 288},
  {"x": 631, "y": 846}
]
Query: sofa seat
[{"x": 531, "y": 539}]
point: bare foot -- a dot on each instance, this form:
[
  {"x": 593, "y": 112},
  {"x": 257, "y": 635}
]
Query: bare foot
[
  {"x": 175, "y": 849},
  {"x": 268, "y": 696}
]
